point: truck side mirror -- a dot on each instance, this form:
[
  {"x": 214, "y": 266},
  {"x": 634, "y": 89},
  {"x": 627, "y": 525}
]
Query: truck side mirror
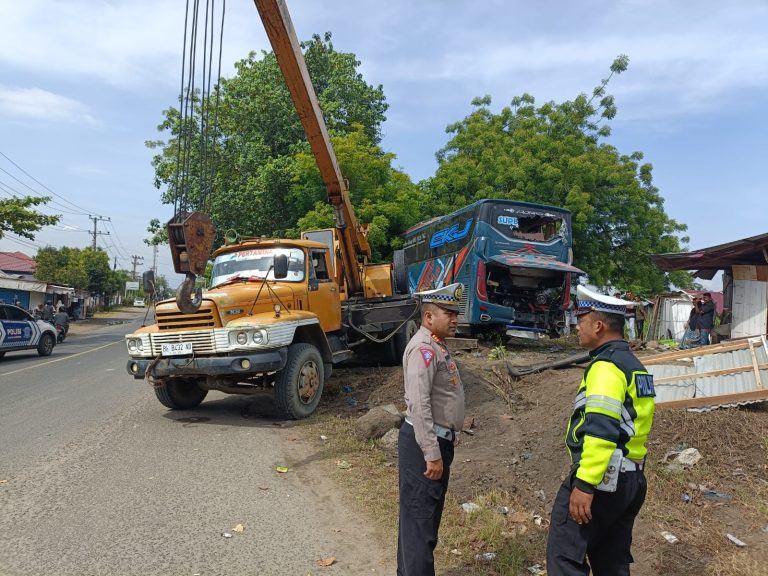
[
  {"x": 148, "y": 279},
  {"x": 280, "y": 266}
]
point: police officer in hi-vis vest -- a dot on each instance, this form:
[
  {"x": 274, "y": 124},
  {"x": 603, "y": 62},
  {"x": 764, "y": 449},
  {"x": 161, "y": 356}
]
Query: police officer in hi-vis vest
[
  {"x": 595, "y": 508},
  {"x": 435, "y": 399}
]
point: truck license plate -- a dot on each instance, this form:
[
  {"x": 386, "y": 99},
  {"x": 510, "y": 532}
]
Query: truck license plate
[{"x": 176, "y": 349}]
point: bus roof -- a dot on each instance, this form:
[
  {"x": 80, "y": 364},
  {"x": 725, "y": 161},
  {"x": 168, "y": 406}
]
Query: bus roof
[{"x": 471, "y": 207}]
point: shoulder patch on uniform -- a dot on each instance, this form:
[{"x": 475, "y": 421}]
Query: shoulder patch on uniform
[
  {"x": 644, "y": 384},
  {"x": 427, "y": 354}
]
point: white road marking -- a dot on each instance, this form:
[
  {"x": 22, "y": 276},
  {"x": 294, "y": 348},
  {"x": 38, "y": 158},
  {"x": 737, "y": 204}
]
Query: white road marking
[{"x": 60, "y": 359}]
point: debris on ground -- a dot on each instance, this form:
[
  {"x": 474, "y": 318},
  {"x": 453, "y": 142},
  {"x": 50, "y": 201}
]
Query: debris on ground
[
  {"x": 669, "y": 537},
  {"x": 343, "y": 464},
  {"x": 226, "y": 535},
  {"x": 281, "y": 469},
  {"x": 470, "y": 507},
  {"x": 736, "y": 541},
  {"x": 688, "y": 457},
  {"x": 325, "y": 562},
  {"x": 486, "y": 556},
  {"x": 239, "y": 528}
]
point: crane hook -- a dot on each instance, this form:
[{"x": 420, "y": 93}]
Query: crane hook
[{"x": 184, "y": 300}]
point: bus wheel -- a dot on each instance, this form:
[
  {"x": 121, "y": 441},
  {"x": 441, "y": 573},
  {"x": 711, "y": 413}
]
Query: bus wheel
[
  {"x": 400, "y": 272},
  {"x": 299, "y": 385}
]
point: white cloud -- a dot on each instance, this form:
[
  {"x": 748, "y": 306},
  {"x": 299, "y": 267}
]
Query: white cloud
[{"x": 37, "y": 104}]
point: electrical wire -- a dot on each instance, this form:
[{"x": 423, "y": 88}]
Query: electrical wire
[{"x": 75, "y": 206}]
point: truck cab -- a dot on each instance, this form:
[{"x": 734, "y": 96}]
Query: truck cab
[{"x": 265, "y": 322}]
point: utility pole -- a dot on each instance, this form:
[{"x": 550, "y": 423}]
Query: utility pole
[
  {"x": 95, "y": 232},
  {"x": 136, "y": 261},
  {"x": 154, "y": 259}
]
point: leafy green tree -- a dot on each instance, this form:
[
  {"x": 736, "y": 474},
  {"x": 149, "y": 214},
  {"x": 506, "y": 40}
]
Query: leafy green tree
[
  {"x": 18, "y": 216},
  {"x": 84, "y": 269},
  {"x": 252, "y": 180},
  {"x": 384, "y": 198},
  {"x": 555, "y": 154}
]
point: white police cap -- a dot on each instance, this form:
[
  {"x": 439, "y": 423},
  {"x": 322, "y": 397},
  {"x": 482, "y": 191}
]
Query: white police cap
[
  {"x": 447, "y": 297},
  {"x": 590, "y": 301}
]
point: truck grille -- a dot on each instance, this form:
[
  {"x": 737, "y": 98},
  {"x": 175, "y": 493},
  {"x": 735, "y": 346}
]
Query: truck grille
[
  {"x": 203, "y": 342},
  {"x": 173, "y": 319}
]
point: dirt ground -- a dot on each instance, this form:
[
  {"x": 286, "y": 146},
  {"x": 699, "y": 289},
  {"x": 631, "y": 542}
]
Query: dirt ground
[{"x": 517, "y": 446}]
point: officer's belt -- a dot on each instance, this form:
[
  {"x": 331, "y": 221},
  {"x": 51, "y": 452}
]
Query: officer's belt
[
  {"x": 628, "y": 465},
  {"x": 440, "y": 431}
]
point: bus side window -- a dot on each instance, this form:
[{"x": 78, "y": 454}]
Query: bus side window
[{"x": 320, "y": 266}]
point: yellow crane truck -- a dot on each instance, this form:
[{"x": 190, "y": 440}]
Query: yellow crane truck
[{"x": 279, "y": 313}]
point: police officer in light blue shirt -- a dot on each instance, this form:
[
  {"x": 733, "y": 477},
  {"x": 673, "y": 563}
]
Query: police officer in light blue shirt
[{"x": 434, "y": 396}]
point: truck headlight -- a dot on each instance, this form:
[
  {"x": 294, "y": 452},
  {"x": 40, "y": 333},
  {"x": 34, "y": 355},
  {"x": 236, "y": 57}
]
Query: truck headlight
[
  {"x": 242, "y": 338},
  {"x": 134, "y": 345},
  {"x": 260, "y": 337}
]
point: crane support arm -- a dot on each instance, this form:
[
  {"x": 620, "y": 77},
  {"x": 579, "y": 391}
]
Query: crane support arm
[{"x": 277, "y": 23}]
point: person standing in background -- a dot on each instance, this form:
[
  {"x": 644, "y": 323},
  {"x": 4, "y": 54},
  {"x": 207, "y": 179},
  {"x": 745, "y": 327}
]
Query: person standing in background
[
  {"x": 639, "y": 317},
  {"x": 706, "y": 317}
]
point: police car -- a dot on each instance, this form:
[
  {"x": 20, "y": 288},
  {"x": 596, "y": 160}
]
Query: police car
[{"x": 20, "y": 331}]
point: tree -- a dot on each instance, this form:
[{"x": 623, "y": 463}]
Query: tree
[
  {"x": 252, "y": 183},
  {"x": 18, "y": 216},
  {"x": 84, "y": 269},
  {"x": 384, "y": 198},
  {"x": 554, "y": 154}
]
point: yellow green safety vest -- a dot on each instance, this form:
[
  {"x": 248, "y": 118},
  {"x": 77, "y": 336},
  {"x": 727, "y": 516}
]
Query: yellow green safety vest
[{"x": 614, "y": 408}]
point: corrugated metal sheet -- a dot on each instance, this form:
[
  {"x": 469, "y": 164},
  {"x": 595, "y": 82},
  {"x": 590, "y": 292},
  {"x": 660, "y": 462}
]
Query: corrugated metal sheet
[{"x": 685, "y": 378}]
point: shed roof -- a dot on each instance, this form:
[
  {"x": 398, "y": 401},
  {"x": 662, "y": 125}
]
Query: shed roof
[
  {"x": 17, "y": 262},
  {"x": 751, "y": 251}
]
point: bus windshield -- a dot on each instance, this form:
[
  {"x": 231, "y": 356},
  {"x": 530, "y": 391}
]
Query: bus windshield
[
  {"x": 528, "y": 224},
  {"x": 256, "y": 263}
]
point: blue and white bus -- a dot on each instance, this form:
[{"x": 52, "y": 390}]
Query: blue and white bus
[{"x": 513, "y": 258}]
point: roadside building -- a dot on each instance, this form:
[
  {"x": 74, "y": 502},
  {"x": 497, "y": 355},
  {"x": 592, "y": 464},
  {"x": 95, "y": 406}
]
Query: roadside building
[{"x": 744, "y": 264}]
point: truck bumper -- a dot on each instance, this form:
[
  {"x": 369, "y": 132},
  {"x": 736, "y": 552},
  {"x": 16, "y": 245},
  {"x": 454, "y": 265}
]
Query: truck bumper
[{"x": 238, "y": 364}]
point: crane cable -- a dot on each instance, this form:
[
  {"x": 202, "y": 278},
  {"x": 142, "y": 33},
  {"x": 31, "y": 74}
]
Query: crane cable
[{"x": 195, "y": 107}]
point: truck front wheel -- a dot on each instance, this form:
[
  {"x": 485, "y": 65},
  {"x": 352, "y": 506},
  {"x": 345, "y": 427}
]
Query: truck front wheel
[
  {"x": 299, "y": 385},
  {"x": 180, "y": 393}
]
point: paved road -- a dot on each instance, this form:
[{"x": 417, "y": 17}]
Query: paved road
[{"x": 98, "y": 478}]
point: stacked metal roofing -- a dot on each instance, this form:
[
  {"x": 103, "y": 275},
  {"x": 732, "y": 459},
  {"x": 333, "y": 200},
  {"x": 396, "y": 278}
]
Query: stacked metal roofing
[{"x": 708, "y": 377}]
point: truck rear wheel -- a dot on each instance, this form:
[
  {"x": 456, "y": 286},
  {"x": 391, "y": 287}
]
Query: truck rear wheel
[
  {"x": 299, "y": 385},
  {"x": 400, "y": 272},
  {"x": 180, "y": 393},
  {"x": 399, "y": 341}
]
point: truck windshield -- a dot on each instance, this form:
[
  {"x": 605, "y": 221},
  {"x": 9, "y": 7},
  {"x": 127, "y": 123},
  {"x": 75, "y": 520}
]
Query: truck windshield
[{"x": 255, "y": 263}]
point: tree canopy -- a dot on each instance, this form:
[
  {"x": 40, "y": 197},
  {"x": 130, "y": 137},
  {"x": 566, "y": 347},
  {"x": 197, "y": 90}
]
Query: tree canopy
[
  {"x": 264, "y": 178},
  {"x": 554, "y": 154},
  {"x": 84, "y": 269},
  {"x": 18, "y": 216}
]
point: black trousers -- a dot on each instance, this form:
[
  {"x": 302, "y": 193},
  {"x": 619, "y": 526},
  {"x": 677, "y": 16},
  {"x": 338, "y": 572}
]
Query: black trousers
[
  {"x": 606, "y": 540},
  {"x": 421, "y": 505}
]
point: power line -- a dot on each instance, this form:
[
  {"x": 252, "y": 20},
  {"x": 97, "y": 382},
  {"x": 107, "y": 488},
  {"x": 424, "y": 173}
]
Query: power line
[
  {"x": 43, "y": 185},
  {"x": 124, "y": 250},
  {"x": 22, "y": 241},
  {"x": 14, "y": 193}
]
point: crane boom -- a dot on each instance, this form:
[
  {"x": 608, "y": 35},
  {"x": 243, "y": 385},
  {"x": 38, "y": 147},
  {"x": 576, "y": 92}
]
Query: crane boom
[{"x": 282, "y": 36}]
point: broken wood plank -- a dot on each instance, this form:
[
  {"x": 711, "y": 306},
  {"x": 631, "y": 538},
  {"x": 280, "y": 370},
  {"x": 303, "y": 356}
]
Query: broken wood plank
[
  {"x": 665, "y": 357},
  {"x": 722, "y": 372},
  {"x": 752, "y": 396},
  {"x": 755, "y": 365}
]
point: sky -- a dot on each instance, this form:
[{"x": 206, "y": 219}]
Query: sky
[{"x": 83, "y": 84}]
